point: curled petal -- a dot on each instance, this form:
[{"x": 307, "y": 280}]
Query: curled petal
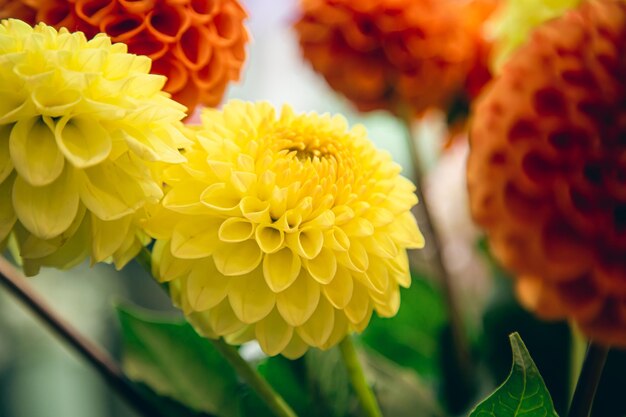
[
  {"x": 83, "y": 142},
  {"x": 281, "y": 269}
]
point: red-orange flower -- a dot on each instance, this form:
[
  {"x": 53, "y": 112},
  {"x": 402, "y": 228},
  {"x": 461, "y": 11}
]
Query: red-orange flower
[
  {"x": 198, "y": 44},
  {"x": 547, "y": 169},
  {"x": 397, "y": 54}
]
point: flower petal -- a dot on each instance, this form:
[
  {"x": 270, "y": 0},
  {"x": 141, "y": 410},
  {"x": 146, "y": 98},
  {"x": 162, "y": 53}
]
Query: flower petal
[
  {"x": 237, "y": 258},
  {"x": 6, "y": 164},
  {"x": 323, "y": 266},
  {"x": 339, "y": 290},
  {"x": 7, "y": 214},
  {"x": 107, "y": 237},
  {"x": 35, "y": 153},
  {"x": 235, "y": 229},
  {"x": 83, "y": 142},
  {"x": 319, "y": 327},
  {"x": 206, "y": 287},
  {"x": 296, "y": 347},
  {"x": 250, "y": 298},
  {"x": 223, "y": 320},
  {"x": 359, "y": 305},
  {"x": 193, "y": 238},
  {"x": 298, "y": 302},
  {"x": 49, "y": 210},
  {"x": 273, "y": 333},
  {"x": 281, "y": 269}
]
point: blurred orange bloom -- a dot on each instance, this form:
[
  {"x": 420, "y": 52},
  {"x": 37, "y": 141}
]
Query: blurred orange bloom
[
  {"x": 397, "y": 54},
  {"x": 547, "y": 169},
  {"x": 198, "y": 44}
]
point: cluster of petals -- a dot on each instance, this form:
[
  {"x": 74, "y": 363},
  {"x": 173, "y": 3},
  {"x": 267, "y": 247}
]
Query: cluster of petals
[
  {"x": 288, "y": 229},
  {"x": 547, "y": 169},
  {"x": 398, "y": 55},
  {"x": 84, "y": 129},
  {"x": 199, "y": 45},
  {"x": 512, "y": 24}
]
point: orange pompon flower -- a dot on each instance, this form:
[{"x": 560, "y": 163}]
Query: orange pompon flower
[
  {"x": 397, "y": 54},
  {"x": 198, "y": 45},
  {"x": 547, "y": 169}
]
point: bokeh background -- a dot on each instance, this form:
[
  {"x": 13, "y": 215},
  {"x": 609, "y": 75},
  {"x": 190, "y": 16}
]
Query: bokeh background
[{"x": 39, "y": 377}]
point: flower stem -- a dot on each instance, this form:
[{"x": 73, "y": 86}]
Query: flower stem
[
  {"x": 108, "y": 369},
  {"x": 588, "y": 380},
  {"x": 459, "y": 337},
  {"x": 274, "y": 401},
  {"x": 357, "y": 379}
]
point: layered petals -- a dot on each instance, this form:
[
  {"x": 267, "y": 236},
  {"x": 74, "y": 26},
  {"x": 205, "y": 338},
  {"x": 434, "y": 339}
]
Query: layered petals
[
  {"x": 278, "y": 229},
  {"x": 74, "y": 182}
]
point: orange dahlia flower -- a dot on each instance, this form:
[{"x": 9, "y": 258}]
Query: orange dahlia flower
[
  {"x": 397, "y": 54},
  {"x": 198, "y": 45},
  {"x": 547, "y": 169}
]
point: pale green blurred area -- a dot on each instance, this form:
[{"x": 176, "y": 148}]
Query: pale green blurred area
[{"x": 39, "y": 377}]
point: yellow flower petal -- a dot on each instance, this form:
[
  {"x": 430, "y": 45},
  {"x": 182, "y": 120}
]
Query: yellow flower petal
[
  {"x": 323, "y": 266},
  {"x": 339, "y": 290},
  {"x": 49, "y": 210},
  {"x": 235, "y": 229},
  {"x": 296, "y": 348},
  {"x": 269, "y": 238},
  {"x": 7, "y": 214},
  {"x": 250, "y": 298},
  {"x": 273, "y": 334},
  {"x": 319, "y": 327},
  {"x": 206, "y": 288},
  {"x": 307, "y": 241},
  {"x": 185, "y": 198},
  {"x": 237, "y": 258},
  {"x": 223, "y": 320},
  {"x": 193, "y": 239},
  {"x": 35, "y": 153},
  {"x": 340, "y": 330},
  {"x": 6, "y": 164},
  {"x": 297, "y": 303},
  {"x": 359, "y": 304},
  {"x": 169, "y": 267},
  {"x": 83, "y": 142},
  {"x": 109, "y": 192},
  {"x": 108, "y": 236},
  {"x": 281, "y": 269}
]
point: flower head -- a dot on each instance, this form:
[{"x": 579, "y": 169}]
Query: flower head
[
  {"x": 397, "y": 55},
  {"x": 83, "y": 129},
  {"x": 286, "y": 228},
  {"x": 198, "y": 45},
  {"x": 516, "y": 19},
  {"x": 547, "y": 171}
]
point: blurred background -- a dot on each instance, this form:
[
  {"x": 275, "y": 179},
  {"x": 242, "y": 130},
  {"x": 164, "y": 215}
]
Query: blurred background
[{"x": 40, "y": 377}]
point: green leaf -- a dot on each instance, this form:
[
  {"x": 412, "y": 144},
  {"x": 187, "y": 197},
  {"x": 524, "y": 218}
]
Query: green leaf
[
  {"x": 168, "y": 356},
  {"x": 523, "y": 394}
]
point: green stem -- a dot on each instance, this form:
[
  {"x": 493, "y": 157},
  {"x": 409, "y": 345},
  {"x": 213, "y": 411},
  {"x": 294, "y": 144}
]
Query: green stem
[
  {"x": 273, "y": 400},
  {"x": 588, "y": 380},
  {"x": 100, "y": 361},
  {"x": 357, "y": 379},
  {"x": 459, "y": 337}
]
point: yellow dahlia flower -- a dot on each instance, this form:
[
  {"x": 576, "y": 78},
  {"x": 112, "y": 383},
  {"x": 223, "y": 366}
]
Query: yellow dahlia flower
[
  {"x": 83, "y": 129},
  {"x": 288, "y": 229},
  {"x": 517, "y": 18}
]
